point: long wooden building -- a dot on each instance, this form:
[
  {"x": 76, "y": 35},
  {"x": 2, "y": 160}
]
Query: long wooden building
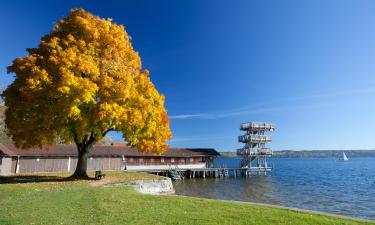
[{"x": 60, "y": 158}]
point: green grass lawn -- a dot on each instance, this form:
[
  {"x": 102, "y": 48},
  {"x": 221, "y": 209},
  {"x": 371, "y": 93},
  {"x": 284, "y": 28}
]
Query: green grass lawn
[{"x": 52, "y": 199}]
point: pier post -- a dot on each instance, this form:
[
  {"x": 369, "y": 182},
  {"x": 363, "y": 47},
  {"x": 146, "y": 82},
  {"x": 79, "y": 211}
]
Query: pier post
[{"x": 204, "y": 174}]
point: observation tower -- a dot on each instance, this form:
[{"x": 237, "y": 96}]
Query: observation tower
[{"x": 254, "y": 153}]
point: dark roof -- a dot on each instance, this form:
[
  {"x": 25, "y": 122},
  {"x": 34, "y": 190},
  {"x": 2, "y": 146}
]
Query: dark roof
[{"x": 100, "y": 150}]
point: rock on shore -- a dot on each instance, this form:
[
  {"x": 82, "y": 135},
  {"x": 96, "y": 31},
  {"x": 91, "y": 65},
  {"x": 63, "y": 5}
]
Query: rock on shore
[{"x": 162, "y": 186}]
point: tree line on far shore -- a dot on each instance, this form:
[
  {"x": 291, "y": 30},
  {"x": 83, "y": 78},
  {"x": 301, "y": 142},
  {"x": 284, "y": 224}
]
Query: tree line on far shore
[{"x": 313, "y": 153}]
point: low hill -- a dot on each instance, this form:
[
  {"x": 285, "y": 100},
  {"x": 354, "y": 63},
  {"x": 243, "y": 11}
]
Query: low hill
[{"x": 314, "y": 153}]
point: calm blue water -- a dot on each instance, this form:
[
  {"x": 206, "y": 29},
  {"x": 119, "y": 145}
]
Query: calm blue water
[{"x": 321, "y": 184}]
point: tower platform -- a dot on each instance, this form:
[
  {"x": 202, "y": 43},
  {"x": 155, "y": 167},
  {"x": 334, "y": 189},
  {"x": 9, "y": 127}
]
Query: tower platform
[{"x": 255, "y": 141}]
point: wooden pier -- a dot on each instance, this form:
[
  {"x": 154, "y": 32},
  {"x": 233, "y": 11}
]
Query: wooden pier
[
  {"x": 254, "y": 152},
  {"x": 176, "y": 173}
]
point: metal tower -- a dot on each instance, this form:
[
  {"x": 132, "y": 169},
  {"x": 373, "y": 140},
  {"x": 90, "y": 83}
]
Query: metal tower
[{"x": 255, "y": 141}]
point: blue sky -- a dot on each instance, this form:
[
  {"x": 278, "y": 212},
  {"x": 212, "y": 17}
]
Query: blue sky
[{"x": 307, "y": 66}]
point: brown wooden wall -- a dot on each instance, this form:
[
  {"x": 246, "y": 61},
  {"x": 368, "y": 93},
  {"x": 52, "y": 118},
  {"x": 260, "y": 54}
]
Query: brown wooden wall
[
  {"x": 60, "y": 164},
  {"x": 32, "y": 165}
]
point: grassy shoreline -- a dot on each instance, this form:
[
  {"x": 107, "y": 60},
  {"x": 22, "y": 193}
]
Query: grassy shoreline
[
  {"x": 301, "y": 210},
  {"x": 54, "y": 201}
]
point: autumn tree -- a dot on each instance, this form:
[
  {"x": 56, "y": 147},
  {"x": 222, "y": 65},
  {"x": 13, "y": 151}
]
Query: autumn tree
[
  {"x": 82, "y": 81},
  {"x": 4, "y": 138}
]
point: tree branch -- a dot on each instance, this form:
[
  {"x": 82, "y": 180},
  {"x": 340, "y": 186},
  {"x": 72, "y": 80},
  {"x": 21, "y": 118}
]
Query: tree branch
[
  {"x": 91, "y": 140},
  {"x": 75, "y": 136},
  {"x": 105, "y": 132}
]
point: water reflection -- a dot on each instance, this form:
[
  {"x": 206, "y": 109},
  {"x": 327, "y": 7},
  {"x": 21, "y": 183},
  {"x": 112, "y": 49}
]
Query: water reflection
[
  {"x": 256, "y": 188},
  {"x": 322, "y": 184}
]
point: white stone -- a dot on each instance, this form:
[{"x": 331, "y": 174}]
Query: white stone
[{"x": 163, "y": 186}]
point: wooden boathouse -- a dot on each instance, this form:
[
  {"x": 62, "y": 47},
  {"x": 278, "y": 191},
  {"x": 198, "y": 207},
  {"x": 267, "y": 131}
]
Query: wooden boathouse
[
  {"x": 177, "y": 163},
  {"x": 63, "y": 158}
]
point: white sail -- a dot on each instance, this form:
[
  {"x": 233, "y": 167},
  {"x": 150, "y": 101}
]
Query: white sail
[{"x": 344, "y": 157}]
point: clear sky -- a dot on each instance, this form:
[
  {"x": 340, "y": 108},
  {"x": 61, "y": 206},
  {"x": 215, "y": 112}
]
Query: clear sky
[{"x": 307, "y": 66}]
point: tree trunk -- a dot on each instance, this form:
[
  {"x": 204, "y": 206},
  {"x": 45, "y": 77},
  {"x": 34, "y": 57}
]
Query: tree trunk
[
  {"x": 81, "y": 169},
  {"x": 84, "y": 147}
]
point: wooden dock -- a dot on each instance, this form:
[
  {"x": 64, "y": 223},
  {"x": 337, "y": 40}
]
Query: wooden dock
[{"x": 209, "y": 172}]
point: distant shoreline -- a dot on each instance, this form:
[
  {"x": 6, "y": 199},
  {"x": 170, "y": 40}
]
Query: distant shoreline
[{"x": 313, "y": 153}]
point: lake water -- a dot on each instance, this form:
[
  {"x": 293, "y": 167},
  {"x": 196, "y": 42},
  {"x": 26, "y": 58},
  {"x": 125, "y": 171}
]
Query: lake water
[{"x": 321, "y": 184}]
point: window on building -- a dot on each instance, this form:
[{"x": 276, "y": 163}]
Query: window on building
[
  {"x": 162, "y": 160},
  {"x": 172, "y": 160},
  {"x": 191, "y": 160}
]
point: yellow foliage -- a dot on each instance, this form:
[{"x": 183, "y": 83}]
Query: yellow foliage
[{"x": 84, "y": 79}]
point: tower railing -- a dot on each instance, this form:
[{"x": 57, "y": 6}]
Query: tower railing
[
  {"x": 257, "y": 126},
  {"x": 254, "y": 138},
  {"x": 254, "y": 151}
]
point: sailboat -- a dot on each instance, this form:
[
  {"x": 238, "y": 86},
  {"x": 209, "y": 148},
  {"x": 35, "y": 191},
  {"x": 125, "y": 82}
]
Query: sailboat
[{"x": 344, "y": 158}]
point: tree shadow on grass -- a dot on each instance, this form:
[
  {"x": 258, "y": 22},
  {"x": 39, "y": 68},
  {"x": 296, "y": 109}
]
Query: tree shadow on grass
[{"x": 36, "y": 179}]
